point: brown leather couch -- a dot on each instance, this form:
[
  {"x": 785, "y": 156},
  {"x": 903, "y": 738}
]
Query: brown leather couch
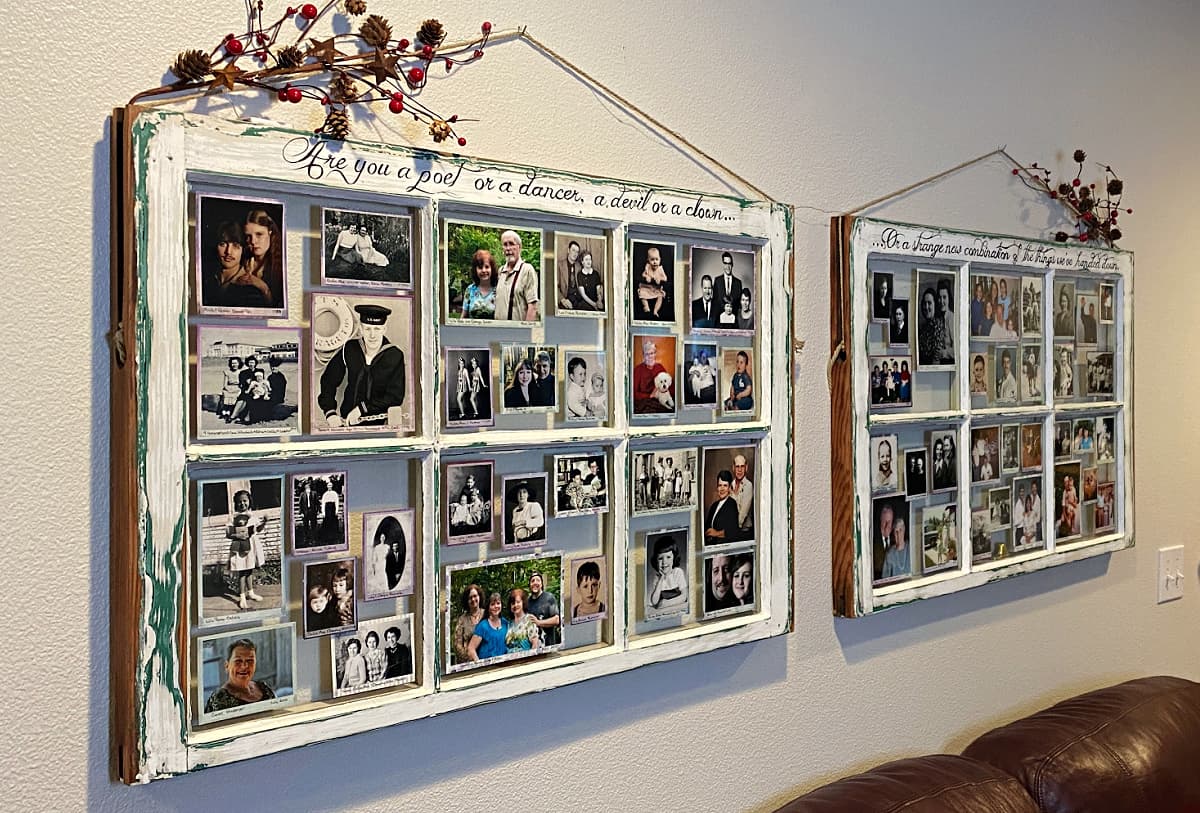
[{"x": 1133, "y": 747}]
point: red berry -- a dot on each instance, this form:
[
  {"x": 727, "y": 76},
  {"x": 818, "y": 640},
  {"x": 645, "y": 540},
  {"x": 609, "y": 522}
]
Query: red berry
[
  {"x": 427, "y": 51},
  {"x": 1128, "y": 211},
  {"x": 324, "y": 100},
  {"x": 396, "y": 105},
  {"x": 453, "y": 118},
  {"x": 449, "y": 65},
  {"x": 1015, "y": 171},
  {"x": 462, "y": 142},
  {"x": 294, "y": 95},
  {"x": 398, "y": 96},
  {"x": 291, "y": 11},
  {"x": 1053, "y": 194},
  {"x": 403, "y": 44},
  {"x": 308, "y": 11},
  {"x": 1083, "y": 238},
  {"x": 234, "y": 47},
  {"x": 416, "y": 75},
  {"x": 486, "y": 28},
  {"x": 1075, "y": 182},
  {"x": 261, "y": 37},
  {"x": 478, "y": 54},
  {"x": 283, "y": 95}
]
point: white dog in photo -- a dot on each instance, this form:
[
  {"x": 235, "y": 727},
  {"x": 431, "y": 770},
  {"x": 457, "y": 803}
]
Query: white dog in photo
[{"x": 662, "y": 390}]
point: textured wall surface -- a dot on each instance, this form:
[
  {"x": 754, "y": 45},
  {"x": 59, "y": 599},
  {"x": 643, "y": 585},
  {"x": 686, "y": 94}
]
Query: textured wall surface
[{"x": 825, "y": 105}]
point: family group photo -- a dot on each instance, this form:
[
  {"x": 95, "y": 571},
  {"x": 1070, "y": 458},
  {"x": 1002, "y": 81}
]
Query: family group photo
[
  {"x": 664, "y": 480},
  {"x": 387, "y": 553},
  {"x": 468, "y": 496},
  {"x": 377, "y": 655},
  {"x": 721, "y": 290},
  {"x": 248, "y": 382},
  {"x": 580, "y": 484}
]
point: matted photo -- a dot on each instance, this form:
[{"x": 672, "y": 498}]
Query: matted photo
[
  {"x": 1063, "y": 439},
  {"x": 503, "y": 610},
  {"x": 1005, "y": 366},
  {"x": 581, "y": 274},
  {"x": 655, "y": 362},
  {"x": 1031, "y": 446},
  {"x": 884, "y": 478},
  {"x": 891, "y": 553},
  {"x": 1031, "y": 374},
  {"x": 701, "y": 382},
  {"x": 668, "y": 587},
  {"x": 239, "y": 550},
  {"x": 366, "y": 249},
  {"x": 1106, "y": 507},
  {"x": 329, "y": 604},
  {"x": 937, "y": 328},
  {"x": 362, "y": 378},
  {"x": 985, "y": 454},
  {"x": 729, "y": 307},
  {"x": 728, "y": 584},
  {"x": 898, "y": 325},
  {"x": 736, "y": 368},
  {"x": 981, "y": 374},
  {"x": 1064, "y": 310},
  {"x": 389, "y": 568},
  {"x": 981, "y": 535},
  {"x": 247, "y": 382},
  {"x": 375, "y": 656},
  {"x": 664, "y": 480},
  {"x": 1085, "y": 321},
  {"x": 1031, "y": 307},
  {"x": 1000, "y": 508},
  {"x": 528, "y": 373},
  {"x": 1106, "y": 438},
  {"x": 239, "y": 257},
  {"x": 245, "y": 671},
  {"x": 588, "y": 589},
  {"x": 468, "y": 497},
  {"x": 916, "y": 472},
  {"x": 891, "y": 381},
  {"x": 492, "y": 274},
  {"x": 319, "y": 513},
  {"x": 467, "y": 376},
  {"x": 652, "y": 282},
  {"x": 1027, "y": 511},
  {"x": 939, "y": 548},
  {"x": 994, "y": 307},
  {"x": 580, "y": 484},
  {"x": 1010, "y": 448},
  {"x": 942, "y": 448},
  {"x": 1066, "y": 500},
  {"x": 1082, "y": 432},
  {"x": 1064, "y": 371},
  {"x": 1090, "y": 484},
  {"x": 524, "y": 501},
  {"x": 1099, "y": 379},
  {"x": 1108, "y": 298},
  {"x": 728, "y": 495},
  {"x": 585, "y": 388},
  {"x": 882, "y": 288}
]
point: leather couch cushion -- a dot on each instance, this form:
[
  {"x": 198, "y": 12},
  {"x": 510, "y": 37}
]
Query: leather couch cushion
[
  {"x": 929, "y": 784},
  {"x": 1130, "y": 747}
]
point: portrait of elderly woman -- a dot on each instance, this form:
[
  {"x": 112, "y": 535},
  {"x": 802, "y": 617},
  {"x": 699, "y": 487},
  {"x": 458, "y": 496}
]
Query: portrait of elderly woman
[{"x": 250, "y": 670}]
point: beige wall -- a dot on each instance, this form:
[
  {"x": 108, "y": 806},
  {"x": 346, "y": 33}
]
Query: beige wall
[{"x": 825, "y": 105}]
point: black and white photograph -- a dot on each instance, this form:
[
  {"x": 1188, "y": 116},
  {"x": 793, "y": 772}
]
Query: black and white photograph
[
  {"x": 366, "y": 249},
  {"x": 1106, "y": 507},
  {"x": 1031, "y": 446},
  {"x": 247, "y": 382},
  {"x": 668, "y": 587},
  {"x": 981, "y": 374},
  {"x": 529, "y": 378},
  {"x": 916, "y": 472},
  {"x": 937, "y": 327},
  {"x": 239, "y": 550},
  {"x": 1083, "y": 432},
  {"x": 730, "y": 274},
  {"x": 1000, "y": 508},
  {"x": 588, "y": 590},
  {"x": 524, "y": 505},
  {"x": 245, "y": 671},
  {"x": 492, "y": 274},
  {"x": 329, "y": 604},
  {"x": 882, "y": 289},
  {"x": 1027, "y": 511},
  {"x": 580, "y": 484},
  {"x": 1063, "y": 439},
  {"x": 1085, "y": 319},
  {"x": 884, "y": 478},
  {"x": 1031, "y": 374},
  {"x": 1099, "y": 379},
  {"x": 467, "y": 492},
  {"x": 985, "y": 454},
  {"x": 1031, "y": 307},
  {"x": 652, "y": 281},
  {"x": 654, "y": 364},
  {"x": 503, "y": 610},
  {"x": 319, "y": 513},
  {"x": 942, "y": 450},
  {"x": 981, "y": 535},
  {"x": 1106, "y": 439},
  {"x": 891, "y": 381},
  {"x": 737, "y": 368},
  {"x": 728, "y": 583},
  {"x": 388, "y": 565},
  {"x": 362, "y": 377},
  {"x": 1010, "y": 448},
  {"x": 701, "y": 381},
  {"x": 1004, "y": 366},
  {"x": 891, "y": 550},
  {"x": 585, "y": 388},
  {"x": 939, "y": 538},
  {"x": 994, "y": 306},
  {"x": 1064, "y": 371},
  {"x": 664, "y": 480},
  {"x": 580, "y": 274},
  {"x": 377, "y": 655},
  {"x": 1108, "y": 298},
  {"x": 467, "y": 384},
  {"x": 1090, "y": 484},
  {"x": 1067, "y": 520},
  {"x": 240, "y": 246},
  {"x": 728, "y": 495},
  {"x": 898, "y": 324},
  {"x": 1064, "y": 310}
]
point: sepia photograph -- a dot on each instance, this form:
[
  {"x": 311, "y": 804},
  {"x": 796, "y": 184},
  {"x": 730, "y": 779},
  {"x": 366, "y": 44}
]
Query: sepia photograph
[
  {"x": 1027, "y": 512},
  {"x": 1010, "y": 448},
  {"x": 942, "y": 447},
  {"x": 1106, "y": 508},
  {"x": 492, "y": 274},
  {"x": 937, "y": 328},
  {"x": 467, "y": 384},
  {"x": 939, "y": 524},
  {"x": 329, "y": 604},
  {"x": 1099, "y": 380},
  {"x": 1067, "y": 520},
  {"x": 981, "y": 375},
  {"x": 1106, "y": 439},
  {"x": 653, "y": 374},
  {"x": 588, "y": 590},
  {"x": 1031, "y": 446},
  {"x": 239, "y": 257},
  {"x": 1031, "y": 307},
  {"x": 891, "y": 553},
  {"x": 1031, "y": 374},
  {"x": 524, "y": 501},
  {"x": 388, "y": 566},
  {"x": 467, "y": 492},
  {"x": 884, "y": 478},
  {"x": 1064, "y": 310},
  {"x": 1064, "y": 371},
  {"x": 1107, "y": 303},
  {"x": 701, "y": 380},
  {"x": 668, "y": 588},
  {"x": 319, "y": 513},
  {"x": 664, "y": 480},
  {"x": 985, "y": 454},
  {"x": 728, "y": 584},
  {"x": 1090, "y": 484},
  {"x": 652, "y": 280},
  {"x": 1063, "y": 439},
  {"x": 1085, "y": 319},
  {"x": 585, "y": 390},
  {"x": 736, "y": 368},
  {"x": 721, "y": 291},
  {"x": 245, "y": 671},
  {"x": 366, "y": 249},
  {"x": 891, "y": 381},
  {"x": 999, "y": 501},
  {"x": 377, "y": 655},
  {"x": 528, "y": 375},
  {"x": 728, "y": 495},
  {"x": 981, "y": 535},
  {"x": 247, "y": 382},
  {"x": 580, "y": 274},
  {"x": 1004, "y": 365},
  {"x": 580, "y": 484},
  {"x": 916, "y": 472}
]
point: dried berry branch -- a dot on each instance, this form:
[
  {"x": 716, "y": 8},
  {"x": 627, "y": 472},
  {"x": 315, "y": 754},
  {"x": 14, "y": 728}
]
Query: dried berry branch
[{"x": 1095, "y": 217}]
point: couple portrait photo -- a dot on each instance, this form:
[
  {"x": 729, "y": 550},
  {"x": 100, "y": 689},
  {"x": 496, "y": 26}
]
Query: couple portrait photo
[
  {"x": 365, "y": 249},
  {"x": 240, "y": 257}
]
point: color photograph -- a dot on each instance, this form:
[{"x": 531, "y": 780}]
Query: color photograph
[
  {"x": 245, "y": 671},
  {"x": 654, "y": 368},
  {"x": 737, "y": 368},
  {"x": 728, "y": 495},
  {"x": 529, "y": 376},
  {"x": 588, "y": 589},
  {"x": 492, "y": 274},
  {"x": 939, "y": 524},
  {"x": 891, "y": 550},
  {"x": 701, "y": 379},
  {"x": 728, "y": 584},
  {"x": 891, "y": 381}
]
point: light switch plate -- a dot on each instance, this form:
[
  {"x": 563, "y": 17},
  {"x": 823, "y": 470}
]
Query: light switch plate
[{"x": 1170, "y": 573}]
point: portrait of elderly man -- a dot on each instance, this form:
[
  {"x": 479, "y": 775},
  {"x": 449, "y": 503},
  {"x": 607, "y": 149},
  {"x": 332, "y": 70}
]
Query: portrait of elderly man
[{"x": 517, "y": 296}]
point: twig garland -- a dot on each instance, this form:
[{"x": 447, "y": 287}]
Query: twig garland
[{"x": 1095, "y": 216}]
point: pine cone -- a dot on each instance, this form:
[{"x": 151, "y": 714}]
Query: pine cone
[
  {"x": 376, "y": 31},
  {"x": 1061, "y": 236},
  {"x": 1115, "y": 187},
  {"x": 289, "y": 56},
  {"x": 440, "y": 130},
  {"x": 337, "y": 124},
  {"x": 1080, "y": 156},
  {"x": 344, "y": 89},
  {"x": 1115, "y": 234},
  {"x": 431, "y": 33},
  {"x": 191, "y": 66},
  {"x": 356, "y": 7}
]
